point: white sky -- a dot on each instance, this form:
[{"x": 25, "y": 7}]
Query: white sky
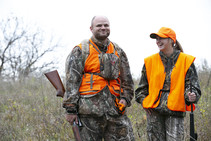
[{"x": 131, "y": 23}]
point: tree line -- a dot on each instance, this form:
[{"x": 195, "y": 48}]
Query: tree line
[{"x": 22, "y": 48}]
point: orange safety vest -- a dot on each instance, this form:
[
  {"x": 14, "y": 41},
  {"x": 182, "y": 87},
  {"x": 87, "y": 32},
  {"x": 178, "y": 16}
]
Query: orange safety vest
[
  {"x": 156, "y": 76},
  {"x": 92, "y": 83}
]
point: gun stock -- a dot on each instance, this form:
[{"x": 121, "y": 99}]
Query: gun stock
[{"x": 55, "y": 80}]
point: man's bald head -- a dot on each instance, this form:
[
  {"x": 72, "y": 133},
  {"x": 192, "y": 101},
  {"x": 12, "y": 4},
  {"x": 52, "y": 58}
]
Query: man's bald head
[{"x": 96, "y": 17}]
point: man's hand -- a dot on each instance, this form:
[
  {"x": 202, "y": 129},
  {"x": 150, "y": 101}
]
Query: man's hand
[
  {"x": 123, "y": 101},
  {"x": 71, "y": 118},
  {"x": 191, "y": 97}
]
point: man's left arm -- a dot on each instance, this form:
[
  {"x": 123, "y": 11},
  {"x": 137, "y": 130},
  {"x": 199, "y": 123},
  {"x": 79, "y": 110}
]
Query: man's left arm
[{"x": 126, "y": 80}]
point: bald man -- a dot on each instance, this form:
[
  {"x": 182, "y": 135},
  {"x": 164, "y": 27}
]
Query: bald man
[{"x": 99, "y": 87}]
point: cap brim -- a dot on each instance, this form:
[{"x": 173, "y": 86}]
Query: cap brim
[{"x": 154, "y": 35}]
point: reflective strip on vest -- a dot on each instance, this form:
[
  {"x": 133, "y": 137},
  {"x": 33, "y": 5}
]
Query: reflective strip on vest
[{"x": 156, "y": 76}]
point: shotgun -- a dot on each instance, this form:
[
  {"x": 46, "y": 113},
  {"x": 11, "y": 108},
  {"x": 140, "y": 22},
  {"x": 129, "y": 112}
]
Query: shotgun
[
  {"x": 193, "y": 135},
  {"x": 55, "y": 80}
]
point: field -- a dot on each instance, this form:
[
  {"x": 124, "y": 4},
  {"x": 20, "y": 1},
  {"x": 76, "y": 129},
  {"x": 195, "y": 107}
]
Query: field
[{"x": 30, "y": 111}]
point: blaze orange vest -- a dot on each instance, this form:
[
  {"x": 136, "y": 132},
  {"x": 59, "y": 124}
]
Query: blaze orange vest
[
  {"x": 156, "y": 76},
  {"x": 92, "y": 83}
]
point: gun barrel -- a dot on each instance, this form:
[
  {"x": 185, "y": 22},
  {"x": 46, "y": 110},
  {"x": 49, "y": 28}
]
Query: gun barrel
[
  {"x": 193, "y": 135},
  {"x": 76, "y": 132},
  {"x": 192, "y": 132}
]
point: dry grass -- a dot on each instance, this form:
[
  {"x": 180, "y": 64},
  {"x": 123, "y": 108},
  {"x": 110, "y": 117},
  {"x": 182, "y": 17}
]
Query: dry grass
[{"x": 30, "y": 111}]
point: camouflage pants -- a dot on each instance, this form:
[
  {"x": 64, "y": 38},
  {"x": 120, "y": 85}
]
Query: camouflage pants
[
  {"x": 164, "y": 128},
  {"x": 107, "y": 128}
]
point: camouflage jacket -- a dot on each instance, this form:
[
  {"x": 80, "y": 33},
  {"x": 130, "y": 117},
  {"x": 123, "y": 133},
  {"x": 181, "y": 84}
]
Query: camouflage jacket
[
  {"x": 169, "y": 62},
  {"x": 101, "y": 102}
]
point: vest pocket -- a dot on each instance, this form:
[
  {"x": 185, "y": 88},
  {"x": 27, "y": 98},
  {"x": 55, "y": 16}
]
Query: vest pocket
[{"x": 109, "y": 66}]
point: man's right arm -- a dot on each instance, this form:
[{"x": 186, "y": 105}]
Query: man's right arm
[{"x": 73, "y": 69}]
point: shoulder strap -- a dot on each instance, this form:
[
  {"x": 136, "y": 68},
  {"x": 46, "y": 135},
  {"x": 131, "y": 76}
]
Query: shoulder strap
[
  {"x": 119, "y": 51},
  {"x": 117, "y": 48},
  {"x": 85, "y": 50}
]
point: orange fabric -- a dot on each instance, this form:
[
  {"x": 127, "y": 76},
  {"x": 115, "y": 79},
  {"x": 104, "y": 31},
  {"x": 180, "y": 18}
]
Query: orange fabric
[
  {"x": 120, "y": 106},
  {"x": 92, "y": 65},
  {"x": 156, "y": 76},
  {"x": 165, "y": 32},
  {"x": 188, "y": 108}
]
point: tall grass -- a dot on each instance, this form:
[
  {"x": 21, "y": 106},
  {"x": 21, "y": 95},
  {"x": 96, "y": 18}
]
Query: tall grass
[{"x": 30, "y": 111}]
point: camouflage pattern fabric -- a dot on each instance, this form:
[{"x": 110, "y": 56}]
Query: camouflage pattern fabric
[
  {"x": 191, "y": 76},
  {"x": 110, "y": 63},
  {"x": 103, "y": 103},
  {"x": 101, "y": 120},
  {"x": 169, "y": 124},
  {"x": 99, "y": 116},
  {"x": 74, "y": 72},
  {"x": 106, "y": 127},
  {"x": 164, "y": 128}
]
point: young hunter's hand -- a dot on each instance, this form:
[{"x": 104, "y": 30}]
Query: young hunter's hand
[
  {"x": 71, "y": 118},
  {"x": 191, "y": 96}
]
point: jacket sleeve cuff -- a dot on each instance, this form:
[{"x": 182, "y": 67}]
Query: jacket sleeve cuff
[{"x": 70, "y": 108}]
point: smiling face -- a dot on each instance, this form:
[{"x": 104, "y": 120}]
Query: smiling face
[
  {"x": 164, "y": 44},
  {"x": 100, "y": 28}
]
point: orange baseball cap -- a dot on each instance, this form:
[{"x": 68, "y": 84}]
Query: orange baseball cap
[{"x": 165, "y": 32}]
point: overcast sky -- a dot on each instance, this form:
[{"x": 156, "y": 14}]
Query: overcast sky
[{"x": 131, "y": 23}]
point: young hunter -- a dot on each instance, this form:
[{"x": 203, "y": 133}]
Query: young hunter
[
  {"x": 99, "y": 87},
  {"x": 164, "y": 88}
]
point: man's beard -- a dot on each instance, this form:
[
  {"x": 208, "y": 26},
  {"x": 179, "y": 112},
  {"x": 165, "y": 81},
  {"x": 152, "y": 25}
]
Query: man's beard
[{"x": 100, "y": 37}]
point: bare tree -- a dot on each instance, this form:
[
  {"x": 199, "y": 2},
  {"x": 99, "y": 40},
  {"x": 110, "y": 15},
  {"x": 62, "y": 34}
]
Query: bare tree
[
  {"x": 22, "y": 48},
  {"x": 204, "y": 72}
]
